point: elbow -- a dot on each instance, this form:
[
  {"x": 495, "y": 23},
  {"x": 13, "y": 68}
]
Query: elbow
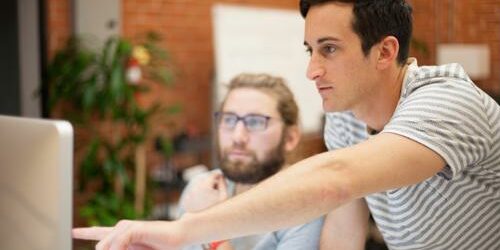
[{"x": 339, "y": 187}]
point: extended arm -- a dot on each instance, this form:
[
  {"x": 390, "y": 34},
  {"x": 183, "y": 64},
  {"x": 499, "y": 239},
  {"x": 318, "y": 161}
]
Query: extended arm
[
  {"x": 320, "y": 184},
  {"x": 306, "y": 190}
]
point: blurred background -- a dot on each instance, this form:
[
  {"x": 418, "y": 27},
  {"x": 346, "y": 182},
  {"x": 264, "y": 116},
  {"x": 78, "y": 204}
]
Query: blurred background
[{"x": 140, "y": 80}]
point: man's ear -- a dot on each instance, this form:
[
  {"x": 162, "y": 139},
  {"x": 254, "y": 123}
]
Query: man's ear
[
  {"x": 388, "y": 50},
  {"x": 292, "y": 138}
]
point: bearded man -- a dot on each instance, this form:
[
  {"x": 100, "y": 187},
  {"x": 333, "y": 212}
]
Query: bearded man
[{"x": 256, "y": 127}]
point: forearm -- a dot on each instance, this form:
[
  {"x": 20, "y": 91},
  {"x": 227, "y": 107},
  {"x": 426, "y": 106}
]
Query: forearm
[
  {"x": 346, "y": 227},
  {"x": 294, "y": 196}
]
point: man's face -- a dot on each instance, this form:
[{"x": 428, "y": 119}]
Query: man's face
[
  {"x": 251, "y": 156},
  {"x": 344, "y": 76}
]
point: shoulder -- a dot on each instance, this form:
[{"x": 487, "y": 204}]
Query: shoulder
[
  {"x": 435, "y": 91},
  {"x": 441, "y": 108},
  {"x": 450, "y": 77}
]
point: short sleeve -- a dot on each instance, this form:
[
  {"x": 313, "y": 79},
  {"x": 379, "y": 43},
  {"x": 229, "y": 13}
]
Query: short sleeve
[{"x": 448, "y": 118}]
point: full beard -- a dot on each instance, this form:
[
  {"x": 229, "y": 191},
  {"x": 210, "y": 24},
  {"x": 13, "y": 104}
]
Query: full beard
[{"x": 255, "y": 170}]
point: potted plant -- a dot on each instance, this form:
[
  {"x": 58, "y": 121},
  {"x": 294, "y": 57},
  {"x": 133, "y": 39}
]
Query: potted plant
[{"x": 97, "y": 91}]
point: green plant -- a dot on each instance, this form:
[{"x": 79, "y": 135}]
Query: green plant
[
  {"x": 97, "y": 91},
  {"x": 419, "y": 46}
]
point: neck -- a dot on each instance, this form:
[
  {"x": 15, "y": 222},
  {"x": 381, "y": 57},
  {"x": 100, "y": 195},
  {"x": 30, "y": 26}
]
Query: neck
[
  {"x": 378, "y": 109},
  {"x": 241, "y": 187}
]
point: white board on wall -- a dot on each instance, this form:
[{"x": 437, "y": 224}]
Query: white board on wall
[
  {"x": 97, "y": 20},
  {"x": 261, "y": 40}
]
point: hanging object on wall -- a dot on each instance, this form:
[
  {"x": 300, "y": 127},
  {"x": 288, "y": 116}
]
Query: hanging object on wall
[
  {"x": 98, "y": 19},
  {"x": 475, "y": 58}
]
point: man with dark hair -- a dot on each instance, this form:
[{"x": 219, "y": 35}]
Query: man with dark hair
[
  {"x": 256, "y": 125},
  {"x": 417, "y": 146},
  {"x": 374, "y": 20}
]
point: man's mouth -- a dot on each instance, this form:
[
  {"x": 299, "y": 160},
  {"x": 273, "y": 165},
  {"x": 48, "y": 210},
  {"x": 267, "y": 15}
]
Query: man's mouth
[
  {"x": 238, "y": 152},
  {"x": 239, "y": 157},
  {"x": 323, "y": 90}
]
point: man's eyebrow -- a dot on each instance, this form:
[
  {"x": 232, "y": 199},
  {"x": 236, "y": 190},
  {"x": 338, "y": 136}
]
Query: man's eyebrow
[
  {"x": 323, "y": 39},
  {"x": 257, "y": 114},
  {"x": 328, "y": 38}
]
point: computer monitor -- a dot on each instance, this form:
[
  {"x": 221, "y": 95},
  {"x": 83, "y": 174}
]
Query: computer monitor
[{"x": 36, "y": 159}]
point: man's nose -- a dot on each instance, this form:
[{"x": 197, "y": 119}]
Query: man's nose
[
  {"x": 315, "y": 68},
  {"x": 240, "y": 133}
]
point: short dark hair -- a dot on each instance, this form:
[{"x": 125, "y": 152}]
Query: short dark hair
[{"x": 375, "y": 19}]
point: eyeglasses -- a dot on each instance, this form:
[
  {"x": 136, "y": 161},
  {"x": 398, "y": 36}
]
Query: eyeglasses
[{"x": 252, "y": 122}]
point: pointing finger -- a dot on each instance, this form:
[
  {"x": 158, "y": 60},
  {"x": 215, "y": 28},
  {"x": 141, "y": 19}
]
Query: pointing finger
[{"x": 91, "y": 233}]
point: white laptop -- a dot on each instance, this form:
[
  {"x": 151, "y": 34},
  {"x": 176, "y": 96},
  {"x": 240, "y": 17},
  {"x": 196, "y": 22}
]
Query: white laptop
[{"x": 36, "y": 162}]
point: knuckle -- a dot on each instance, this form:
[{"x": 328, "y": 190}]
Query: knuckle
[
  {"x": 122, "y": 223},
  {"x": 101, "y": 245}
]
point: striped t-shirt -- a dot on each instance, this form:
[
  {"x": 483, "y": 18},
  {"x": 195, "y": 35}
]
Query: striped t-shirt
[{"x": 459, "y": 208}]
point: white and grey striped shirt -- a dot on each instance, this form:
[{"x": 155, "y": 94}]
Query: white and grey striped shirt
[{"x": 459, "y": 208}]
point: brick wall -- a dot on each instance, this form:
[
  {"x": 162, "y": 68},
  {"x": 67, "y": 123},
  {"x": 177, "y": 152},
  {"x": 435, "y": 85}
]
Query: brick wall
[
  {"x": 464, "y": 21},
  {"x": 58, "y": 24},
  {"x": 187, "y": 32}
]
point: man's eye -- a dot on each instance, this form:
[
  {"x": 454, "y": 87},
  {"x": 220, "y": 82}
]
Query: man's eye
[
  {"x": 228, "y": 119},
  {"x": 256, "y": 123},
  {"x": 329, "y": 49},
  {"x": 253, "y": 122}
]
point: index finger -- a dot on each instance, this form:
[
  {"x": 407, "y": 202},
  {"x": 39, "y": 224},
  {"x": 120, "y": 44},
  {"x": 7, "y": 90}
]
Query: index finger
[{"x": 91, "y": 233}]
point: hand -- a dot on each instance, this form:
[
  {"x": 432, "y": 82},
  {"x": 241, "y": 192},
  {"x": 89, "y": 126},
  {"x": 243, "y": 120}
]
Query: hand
[
  {"x": 134, "y": 235},
  {"x": 204, "y": 192}
]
